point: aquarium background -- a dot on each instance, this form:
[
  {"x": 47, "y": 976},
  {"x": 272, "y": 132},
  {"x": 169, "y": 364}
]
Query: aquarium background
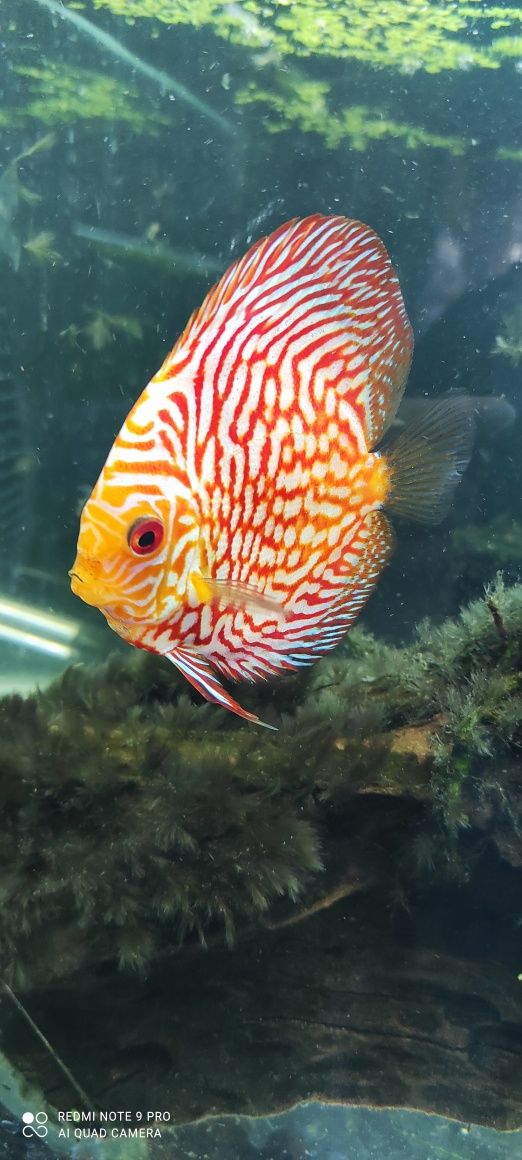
[{"x": 143, "y": 145}]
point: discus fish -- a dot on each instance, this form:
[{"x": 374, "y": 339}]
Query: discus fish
[{"x": 237, "y": 527}]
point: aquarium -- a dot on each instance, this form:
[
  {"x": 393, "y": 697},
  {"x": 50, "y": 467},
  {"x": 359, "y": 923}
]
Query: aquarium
[{"x": 260, "y": 591}]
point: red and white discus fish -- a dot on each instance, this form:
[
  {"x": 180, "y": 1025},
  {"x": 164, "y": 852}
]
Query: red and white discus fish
[{"x": 237, "y": 526}]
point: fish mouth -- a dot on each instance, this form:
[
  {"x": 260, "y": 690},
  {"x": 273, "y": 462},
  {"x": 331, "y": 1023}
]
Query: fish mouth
[
  {"x": 76, "y": 582},
  {"x": 107, "y": 602},
  {"x": 90, "y": 591}
]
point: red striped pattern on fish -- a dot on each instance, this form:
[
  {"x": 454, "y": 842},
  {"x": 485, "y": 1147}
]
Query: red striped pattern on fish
[{"x": 251, "y": 449}]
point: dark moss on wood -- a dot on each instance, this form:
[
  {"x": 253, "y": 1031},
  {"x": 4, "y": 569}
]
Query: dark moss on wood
[{"x": 141, "y": 827}]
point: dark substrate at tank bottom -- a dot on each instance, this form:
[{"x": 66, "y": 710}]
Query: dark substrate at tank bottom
[{"x": 356, "y": 879}]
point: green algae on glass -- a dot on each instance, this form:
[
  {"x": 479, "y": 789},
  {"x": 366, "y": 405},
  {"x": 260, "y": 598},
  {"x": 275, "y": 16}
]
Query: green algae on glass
[
  {"x": 405, "y": 35},
  {"x": 60, "y": 93}
]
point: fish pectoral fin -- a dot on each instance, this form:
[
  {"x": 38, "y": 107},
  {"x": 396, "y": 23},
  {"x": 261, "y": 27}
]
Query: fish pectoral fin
[
  {"x": 428, "y": 458},
  {"x": 202, "y": 677},
  {"x": 237, "y": 594}
]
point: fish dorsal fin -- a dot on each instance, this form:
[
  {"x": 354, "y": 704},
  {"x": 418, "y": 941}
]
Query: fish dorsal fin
[{"x": 321, "y": 288}]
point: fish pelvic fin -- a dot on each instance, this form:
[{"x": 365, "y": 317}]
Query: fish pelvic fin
[
  {"x": 427, "y": 460},
  {"x": 203, "y": 678}
]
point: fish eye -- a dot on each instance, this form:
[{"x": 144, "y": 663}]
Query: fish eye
[{"x": 145, "y": 536}]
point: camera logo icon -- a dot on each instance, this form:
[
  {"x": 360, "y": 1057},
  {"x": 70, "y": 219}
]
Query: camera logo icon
[{"x": 35, "y": 1125}]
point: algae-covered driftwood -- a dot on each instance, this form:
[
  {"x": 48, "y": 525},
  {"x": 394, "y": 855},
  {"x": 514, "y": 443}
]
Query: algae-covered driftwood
[{"x": 253, "y": 918}]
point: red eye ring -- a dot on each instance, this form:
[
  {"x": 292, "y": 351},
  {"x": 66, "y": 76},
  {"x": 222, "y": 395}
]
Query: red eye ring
[{"x": 145, "y": 536}]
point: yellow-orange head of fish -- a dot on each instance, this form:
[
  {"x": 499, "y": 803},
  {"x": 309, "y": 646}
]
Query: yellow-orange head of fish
[{"x": 137, "y": 543}]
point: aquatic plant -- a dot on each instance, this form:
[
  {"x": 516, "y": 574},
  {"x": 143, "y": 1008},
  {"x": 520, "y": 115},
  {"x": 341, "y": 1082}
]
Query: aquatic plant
[
  {"x": 145, "y": 828},
  {"x": 406, "y": 35},
  {"x": 41, "y": 247},
  {"x": 12, "y": 192},
  {"x": 160, "y": 78},
  {"x": 60, "y": 93},
  {"x": 508, "y": 153},
  {"x": 499, "y": 542},
  {"x": 294, "y": 100},
  {"x": 137, "y": 818},
  {"x": 509, "y": 342},
  {"x": 102, "y": 328},
  {"x": 188, "y": 262}
]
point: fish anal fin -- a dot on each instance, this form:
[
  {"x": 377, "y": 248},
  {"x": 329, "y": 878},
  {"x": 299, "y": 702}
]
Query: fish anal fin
[
  {"x": 376, "y": 549},
  {"x": 375, "y": 544},
  {"x": 202, "y": 677},
  {"x": 428, "y": 458}
]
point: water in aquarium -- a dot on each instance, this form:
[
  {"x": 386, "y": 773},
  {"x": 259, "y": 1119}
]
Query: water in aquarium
[{"x": 260, "y": 592}]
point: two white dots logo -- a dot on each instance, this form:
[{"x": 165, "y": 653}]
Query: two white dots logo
[{"x": 35, "y": 1125}]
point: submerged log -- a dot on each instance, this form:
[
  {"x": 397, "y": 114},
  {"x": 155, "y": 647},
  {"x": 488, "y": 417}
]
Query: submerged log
[
  {"x": 346, "y": 1003},
  {"x": 204, "y": 918}
]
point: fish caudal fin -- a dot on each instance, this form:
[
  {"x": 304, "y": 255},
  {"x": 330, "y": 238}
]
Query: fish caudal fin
[
  {"x": 428, "y": 458},
  {"x": 203, "y": 678}
]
